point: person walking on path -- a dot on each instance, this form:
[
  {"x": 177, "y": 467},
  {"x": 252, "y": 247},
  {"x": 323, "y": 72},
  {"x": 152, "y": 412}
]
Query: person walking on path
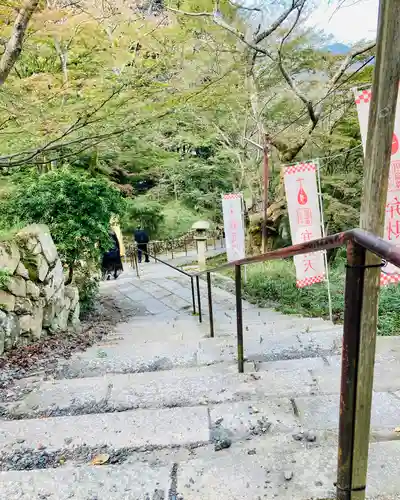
[
  {"x": 111, "y": 262},
  {"x": 142, "y": 240}
]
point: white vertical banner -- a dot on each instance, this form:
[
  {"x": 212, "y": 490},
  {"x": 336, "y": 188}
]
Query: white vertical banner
[
  {"x": 232, "y": 209},
  {"x": 305, "y": 220},
  {"x": 390, "y": 273}
]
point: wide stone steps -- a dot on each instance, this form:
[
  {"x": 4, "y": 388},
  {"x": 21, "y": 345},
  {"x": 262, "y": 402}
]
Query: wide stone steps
[
  {"x": 316, "y": 378},
  {"x": 164, "y": 406},
  {"x": 160, "y": 430},
  {"x": 121, "y": 357},
  {"x": 174, "y": 388},
  {"x": 276, "y": 467}
]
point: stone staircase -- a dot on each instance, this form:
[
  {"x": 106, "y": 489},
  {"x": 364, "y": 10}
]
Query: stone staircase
[{"x": 157, "y": 410}]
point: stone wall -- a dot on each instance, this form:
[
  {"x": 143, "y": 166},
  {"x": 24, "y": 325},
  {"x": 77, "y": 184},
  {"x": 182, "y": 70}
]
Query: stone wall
[{"x": 34, "y": 301}]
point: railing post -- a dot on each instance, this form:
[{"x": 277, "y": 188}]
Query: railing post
[
  {"x": 193, "y": 299},
  {"x": 135, "y": 259},
  {"x": 198, "y": 298},
  {"x": 350, "y": 366},
  {"x": 239, "y": 317},
  {"x": 210, "y": 305}
]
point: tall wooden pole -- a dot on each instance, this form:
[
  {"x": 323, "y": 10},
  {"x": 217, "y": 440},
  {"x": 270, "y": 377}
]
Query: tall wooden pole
[{"x": 376, "y": 174}]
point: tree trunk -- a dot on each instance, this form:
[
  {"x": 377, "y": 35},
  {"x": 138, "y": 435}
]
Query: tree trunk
[
  {"x": 14, "y": 44},
  {"x": 70, "y": 274},
  {"x": 62, "y": 53}
]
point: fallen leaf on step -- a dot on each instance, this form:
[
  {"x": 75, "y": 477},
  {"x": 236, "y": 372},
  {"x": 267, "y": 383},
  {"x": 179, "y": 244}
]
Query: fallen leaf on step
[
  {"x": 397, "y": 429},
  {"x": 100, "y": 459}
]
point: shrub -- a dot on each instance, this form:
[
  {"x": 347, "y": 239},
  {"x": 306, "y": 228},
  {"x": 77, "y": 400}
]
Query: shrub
[
  {"x": 87, "y": 280},
  {"x": 76, "y": 207}
]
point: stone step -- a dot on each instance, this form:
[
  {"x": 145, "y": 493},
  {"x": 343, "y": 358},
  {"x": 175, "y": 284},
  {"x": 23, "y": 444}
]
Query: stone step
[
  {"x": 322, "y": 411},
  {"x": 386, "y": 376},
  {"x": 174, "y": 388},
  {"x": 133, "y": 430},
  {"x": 205, "y": 385},
  {"x": 278, "y": 323},
  {"x": 275, "y": 467},
  {"x": 115, "y": 482},
  {"x": 386, "y": 356},
  {"x": 132, "y": 357},
  {"x": 142, "y": 330},
  {"x": 225, "y": 324},
  {"x": 285, "y": 345},
  {"x": 127, "y": 354}
]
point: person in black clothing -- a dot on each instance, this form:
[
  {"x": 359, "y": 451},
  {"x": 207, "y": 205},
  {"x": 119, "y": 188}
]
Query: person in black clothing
[
  {"x": 142, "y": 240},
  {"x": 111, "y": 263}
]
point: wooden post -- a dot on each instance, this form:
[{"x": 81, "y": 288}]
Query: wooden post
[{"x": 376, "y": 174}]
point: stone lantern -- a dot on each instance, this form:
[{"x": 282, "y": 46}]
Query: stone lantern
[{"x": 200, "y": 229}]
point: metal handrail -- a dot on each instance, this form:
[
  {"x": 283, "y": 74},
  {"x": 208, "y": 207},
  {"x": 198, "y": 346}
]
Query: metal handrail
[
  {"x": 358, "y": 243},
  {"x": 374, "y": 244},
  {"x": 171, "y": 266}
]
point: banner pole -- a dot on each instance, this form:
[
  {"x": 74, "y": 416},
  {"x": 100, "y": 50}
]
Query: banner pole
[{"x": 321, "y": 209}]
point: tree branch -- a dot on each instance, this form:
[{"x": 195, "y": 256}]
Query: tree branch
[
  {"x": 255, "y": 144},
  {"x": 341, "y": 71},
  {"x": 243, "y": 7},
  {"x": 275, "y": 25},
  {"x": 193, "y": 14},
  {"x": 289, "y": 80},
  {"x": 217, "y": 19},
  {"x": 14, "y": 45},
  {"x": 349, "y": 61}
]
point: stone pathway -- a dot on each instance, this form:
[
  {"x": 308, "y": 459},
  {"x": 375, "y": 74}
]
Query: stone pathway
[{"x": 162, "y": 406}]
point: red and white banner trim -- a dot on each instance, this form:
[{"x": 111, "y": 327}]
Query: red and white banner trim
[
  {"x": 300, "y": 167},
  {"x": 310, "y": 281},
  {"x": 363, "y": 96},
  {"x": 232, "y": 196}
]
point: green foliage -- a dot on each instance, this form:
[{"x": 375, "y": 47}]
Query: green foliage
[
  {"x": 4, "y": 278},
  {"x": 77, "y": 208},
  {"x": 142, "y": 212},
  {"x": 274, "y": 282},
  {"x": 86, "y": 278},
  {"x": 178, "y": 220},
  {"x": 160, "y": 105},
  {"x": 389, "y": 311},
  {"x": 8, "y": 233}
]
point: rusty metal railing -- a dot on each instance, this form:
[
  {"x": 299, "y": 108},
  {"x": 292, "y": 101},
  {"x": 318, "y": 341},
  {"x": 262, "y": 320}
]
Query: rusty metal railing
[{"x": 358, "y": 242}]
